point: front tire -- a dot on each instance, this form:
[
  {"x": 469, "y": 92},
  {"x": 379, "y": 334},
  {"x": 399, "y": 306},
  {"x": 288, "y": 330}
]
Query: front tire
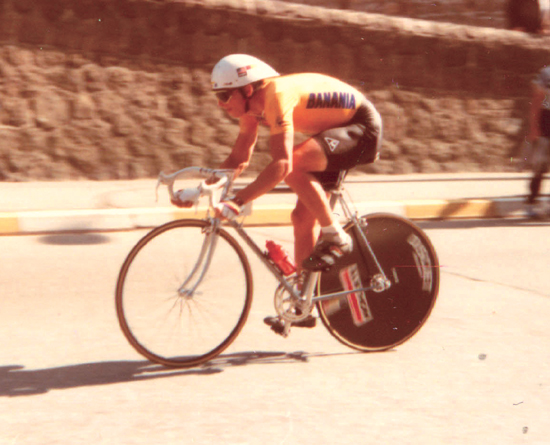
[{"x": 168, "y": 326}]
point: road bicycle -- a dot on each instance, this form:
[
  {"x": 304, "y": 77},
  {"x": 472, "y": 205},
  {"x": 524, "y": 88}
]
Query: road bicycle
[{"x": 176, "y": 308}]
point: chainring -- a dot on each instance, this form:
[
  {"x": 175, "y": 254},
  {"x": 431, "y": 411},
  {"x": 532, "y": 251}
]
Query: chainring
[{"x": 289, "y": 307}]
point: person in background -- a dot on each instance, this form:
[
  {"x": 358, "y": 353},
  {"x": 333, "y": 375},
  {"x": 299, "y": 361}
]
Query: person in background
[
  {"x": 545, "y": 16},
  {"x": 532, "y": 16},
  {"x": 539, "y": 137}
]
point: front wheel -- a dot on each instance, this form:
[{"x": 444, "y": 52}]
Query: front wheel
[
  {"x": 184, "y": 293},
  {"x": 376, "y": 321}
]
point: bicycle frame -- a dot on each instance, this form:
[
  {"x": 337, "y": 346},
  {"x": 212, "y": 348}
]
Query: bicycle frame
[{"x": 378, "y": 283}]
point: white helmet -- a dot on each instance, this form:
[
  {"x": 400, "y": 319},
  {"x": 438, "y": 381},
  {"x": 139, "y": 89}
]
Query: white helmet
[{"x": 239, "y": 70}]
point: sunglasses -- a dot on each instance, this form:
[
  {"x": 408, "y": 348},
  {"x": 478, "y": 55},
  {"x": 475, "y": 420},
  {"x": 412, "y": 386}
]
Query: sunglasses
[{"x": 224, "y": 95}]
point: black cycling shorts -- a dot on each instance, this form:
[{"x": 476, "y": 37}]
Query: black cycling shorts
[{"x": 356, "y": 143}]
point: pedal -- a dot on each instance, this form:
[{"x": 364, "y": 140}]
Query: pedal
[
  {"x": 281, "y": 329},
  {"x": 278, "y": 326},
  {"x": 286, "y": 330}
]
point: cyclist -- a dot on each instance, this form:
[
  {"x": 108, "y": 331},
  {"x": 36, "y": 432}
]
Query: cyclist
[
  {"x": 539, "y": 136},
  {"x": 344, "y": 130}
]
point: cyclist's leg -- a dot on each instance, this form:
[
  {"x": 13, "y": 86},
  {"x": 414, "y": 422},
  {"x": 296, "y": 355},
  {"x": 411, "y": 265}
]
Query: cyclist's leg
[
  {"x": 540, "y": 162},
  {"x": 305, "y": 225},
  {"x": 534, "y": 187},
  {"x": 309, "y": 158}
]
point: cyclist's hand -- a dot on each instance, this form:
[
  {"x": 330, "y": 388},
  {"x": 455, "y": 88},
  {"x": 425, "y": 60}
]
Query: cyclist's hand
[
  {"x": 227, "y": 210},
  {"x": 186, "y": 198},
  {"x": 182, "y": 204}
]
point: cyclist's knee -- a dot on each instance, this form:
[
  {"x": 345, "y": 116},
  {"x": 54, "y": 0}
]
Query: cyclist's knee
[{"x": 293, "y": 177}]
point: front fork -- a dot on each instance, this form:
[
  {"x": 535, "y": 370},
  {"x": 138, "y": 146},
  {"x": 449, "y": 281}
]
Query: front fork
[{"x": 188, "y": 288}]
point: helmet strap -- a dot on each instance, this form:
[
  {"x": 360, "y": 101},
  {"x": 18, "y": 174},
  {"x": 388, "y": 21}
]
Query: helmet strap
[{"x": 246, "y": 99}]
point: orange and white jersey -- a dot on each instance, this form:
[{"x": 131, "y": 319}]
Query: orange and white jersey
[{"x": 309, "y": 103}]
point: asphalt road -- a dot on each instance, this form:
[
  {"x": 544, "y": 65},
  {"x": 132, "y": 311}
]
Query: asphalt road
[{"x": 477, "y": 372}]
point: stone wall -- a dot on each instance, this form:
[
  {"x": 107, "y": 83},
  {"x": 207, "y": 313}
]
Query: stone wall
[
  {"x": 486, "y": 13},
  {"x": 109, "y": 89}
]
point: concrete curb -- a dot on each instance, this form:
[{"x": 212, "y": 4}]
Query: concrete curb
[{"x": 28, "y": 222}]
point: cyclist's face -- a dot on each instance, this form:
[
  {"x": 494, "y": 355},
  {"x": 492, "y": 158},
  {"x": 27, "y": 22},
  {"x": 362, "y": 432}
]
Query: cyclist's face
[
  {"x": 232, "y": 102},
  {"x": 224, "y": 96}
]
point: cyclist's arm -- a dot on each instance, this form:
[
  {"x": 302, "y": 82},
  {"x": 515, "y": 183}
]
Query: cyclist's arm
[
  {"x": 240, "y": 155},
  {"x": 281, "y": 146},
  {"x": 278, "y": 114}
]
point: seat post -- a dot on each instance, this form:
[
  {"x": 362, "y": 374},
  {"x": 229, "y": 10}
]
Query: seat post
[{"x": 336, "y": 190}]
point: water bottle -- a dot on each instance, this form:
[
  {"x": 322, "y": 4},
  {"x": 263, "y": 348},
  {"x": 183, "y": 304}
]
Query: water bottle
[{"x": 280, "y": 257}]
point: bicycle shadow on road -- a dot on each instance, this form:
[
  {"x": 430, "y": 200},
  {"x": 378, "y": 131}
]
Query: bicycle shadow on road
[
  {"x": 16, "y": 381},
  {"x": 267, "y": 358}
]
